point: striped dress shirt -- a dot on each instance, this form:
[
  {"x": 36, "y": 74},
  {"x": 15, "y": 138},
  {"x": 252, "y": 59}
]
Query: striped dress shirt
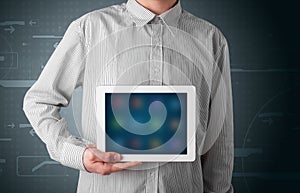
[{"x": 126, "y": 44}]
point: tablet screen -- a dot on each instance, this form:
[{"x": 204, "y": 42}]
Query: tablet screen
[{"x": 146, "y": 123}]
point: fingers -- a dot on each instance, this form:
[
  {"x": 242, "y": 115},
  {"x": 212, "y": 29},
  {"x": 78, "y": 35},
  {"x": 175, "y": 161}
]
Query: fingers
[
  {"x": 123, "y": 166},
  {"x": 107, "y": 168},
  {"x": 105, "y": 156},
  {"x": 102, "y": 168},
  {"x": 103, "y": 163}
]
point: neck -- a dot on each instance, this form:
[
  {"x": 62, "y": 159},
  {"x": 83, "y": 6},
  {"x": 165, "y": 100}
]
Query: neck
[{"x": 157, "y": 6}]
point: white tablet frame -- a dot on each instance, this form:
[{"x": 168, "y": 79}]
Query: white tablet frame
[{"x": 190, "y": 90}]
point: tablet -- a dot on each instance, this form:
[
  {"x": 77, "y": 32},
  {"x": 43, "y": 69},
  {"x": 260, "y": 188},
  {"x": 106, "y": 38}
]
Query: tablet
[{"x": 147, "y": 123}]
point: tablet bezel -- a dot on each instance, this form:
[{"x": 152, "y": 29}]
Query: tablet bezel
[{"x": 190, "y": 90}]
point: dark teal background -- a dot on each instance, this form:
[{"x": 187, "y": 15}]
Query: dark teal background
[{"x": 263, "y": 38}]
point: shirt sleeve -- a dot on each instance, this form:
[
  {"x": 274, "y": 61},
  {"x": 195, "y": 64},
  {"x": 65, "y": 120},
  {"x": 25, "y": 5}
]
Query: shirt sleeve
[
  {"x": 217, "y": 162},
  {"x": 53, "y": 89}
]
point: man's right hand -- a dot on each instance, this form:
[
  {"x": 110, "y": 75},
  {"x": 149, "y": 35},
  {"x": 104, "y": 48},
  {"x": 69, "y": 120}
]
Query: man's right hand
[{"x": 96, "y": 161}]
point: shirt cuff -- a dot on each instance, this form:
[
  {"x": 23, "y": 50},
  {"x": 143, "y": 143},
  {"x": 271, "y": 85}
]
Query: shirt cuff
[{"x": 71, "y": 156}]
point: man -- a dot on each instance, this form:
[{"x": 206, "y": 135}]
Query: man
[{"x": 151, "y": 42}]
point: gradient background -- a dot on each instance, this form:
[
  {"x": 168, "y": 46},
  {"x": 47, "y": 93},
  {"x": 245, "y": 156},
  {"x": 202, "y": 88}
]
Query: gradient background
[{"x": 263, "y": 43}]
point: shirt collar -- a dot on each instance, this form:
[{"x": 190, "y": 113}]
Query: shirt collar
[{"x": 142, "y": 16}]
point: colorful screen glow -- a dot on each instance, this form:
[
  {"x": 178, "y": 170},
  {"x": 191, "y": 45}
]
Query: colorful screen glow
[{"x": 146, "y": 123}]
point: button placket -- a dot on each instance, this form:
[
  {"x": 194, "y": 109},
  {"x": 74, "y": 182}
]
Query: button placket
[
  {"x": 156, "y": 53},
  {"x": 155, "y": 79},
  {"x": 152, "y": 179}
]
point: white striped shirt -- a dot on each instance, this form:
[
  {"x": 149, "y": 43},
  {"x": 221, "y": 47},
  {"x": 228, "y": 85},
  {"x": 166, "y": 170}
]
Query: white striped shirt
[{"x": 127, "y": 44}]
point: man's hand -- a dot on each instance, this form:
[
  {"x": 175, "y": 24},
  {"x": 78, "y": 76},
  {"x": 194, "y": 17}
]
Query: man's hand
[{"x": 104, "y": 163}]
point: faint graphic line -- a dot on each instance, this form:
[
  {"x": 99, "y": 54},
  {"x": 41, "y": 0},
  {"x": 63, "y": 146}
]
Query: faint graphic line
[
  {"x": 268, "y": 117},
  {"x": 55, "y": 44},
  {"x": 245, "y": 152},
  {"x": 257, "y": 114},
  {"x": 248, "y": 129},
  {"x": 5, "y": 139},
  {"x": 17, "y": 83},
  {"x": 32, "y": 132},
  {"x": 46, "y": 36},
  {"x": 271, "y": 175},
  {"x": 43, "y": 164},
  {"x": 262, "y": 70},
  {"x": 31, "y": 22},
  {"x": 33, "y": 169},
  {"x": 5, "y": 23},
  {"x": 271, "y": 114},
  {"x": 24, "y": 125},
  {"x": 9, "y": 60},
  {"x": 11, "y": 125},
  {"x": 11, "y": 29}
]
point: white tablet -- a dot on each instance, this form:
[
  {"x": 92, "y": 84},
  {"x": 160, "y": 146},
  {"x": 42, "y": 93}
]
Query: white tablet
[{"x": 147, "y": 123}]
